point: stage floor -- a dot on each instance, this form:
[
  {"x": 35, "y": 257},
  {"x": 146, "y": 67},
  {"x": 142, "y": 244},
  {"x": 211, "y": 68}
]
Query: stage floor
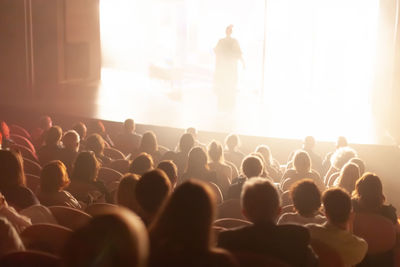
[{"x": 124, "y": 94}]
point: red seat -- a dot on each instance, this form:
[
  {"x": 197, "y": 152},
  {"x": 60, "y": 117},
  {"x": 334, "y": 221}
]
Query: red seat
[
  {"x": 230, "y": 209},
  {"x": 29, "y": 259},
  {"x": 25, "y": 152},
  {"x": 70, "y": 217},
  {"x": 32, "y": 167},
  {"x": 23, "y": 141},
  {"x": 16, "y": 129},
  {"x": 229, "y": 223}
]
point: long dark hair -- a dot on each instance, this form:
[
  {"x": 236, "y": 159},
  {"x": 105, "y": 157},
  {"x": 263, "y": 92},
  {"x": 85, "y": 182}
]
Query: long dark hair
[{"x": 11, "y": 169}]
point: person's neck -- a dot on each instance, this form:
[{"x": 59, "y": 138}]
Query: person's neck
[{"x": 342, "y": 226}]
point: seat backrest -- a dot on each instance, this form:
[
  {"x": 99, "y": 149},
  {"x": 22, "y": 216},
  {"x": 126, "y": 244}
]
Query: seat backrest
[
  {"x": 98, "y": 209},
  {"x": 70, "y": 217},
  {"x": 113, "y": 153},
  {"x": 120, "y": 165},
  {"x": 286, "y": 200},
  {"x": 32, "y": 167},
  {"x": 365, "y": 225},
  {"x": 23, "y": 141},
  {"x": 287, "y": 208},
  {"x": 16, "y": 129},
  {"x": 217, "y": 191},
  {"x": 39, "y": 214},
  {"x": 25, "y": 152},
  {"x": 230, "y": 223},
  {"x": 230, "y": 209},
  {"x": 29, "y": 259},
  {"x": 49, "y": 238},
  {"x": 328, "y": 257},
  {"x": 32, "y": 182},
  {"x": 246, "y": 259},
  {"x": 108, "y": 175}
]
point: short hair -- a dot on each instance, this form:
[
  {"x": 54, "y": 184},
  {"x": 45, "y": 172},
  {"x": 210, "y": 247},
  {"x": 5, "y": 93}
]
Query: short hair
[
  {"x": 260, "y": 200},
  {"x": 126, "y": 192},
  {"x": 118, "y": 239},
  {"x": 186, "y": 142},
  {"x": 252, "y": 166},
  {"x": 302, "y": 161},
  {"x": 54, "y": 177},
  {"x": 86, "y": 167},
  {"x": 369, "y": 191},
  {"x": 341, "y": 142},
  {"x": 95, "y": 143},
  {"x": 53, "y": 135},
  {"x": 169, "y": 167},
  {"x": 341, "y": 156},
  {"x": 152, "y": 190},
  {"x": 141, "y": 164},
  {"x": 129, "y": 125},
  {"x": 337, "y": 205},
  {"x": 71, "y": 139},
  {"x": 81, "y": 129},
  {"x": 215, "y": 151},
  {"x": 232, "y": 141},
  {"x": 306, "y": 197}
]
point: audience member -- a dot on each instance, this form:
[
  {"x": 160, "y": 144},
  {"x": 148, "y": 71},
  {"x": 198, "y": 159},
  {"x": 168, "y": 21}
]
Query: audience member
[
  {"x": 186, "y": 143},
  {"x": 53, "y": 180},
  {"x": 301, "y": 169},
  {"x": 128, "y": 141},
  {"x": 118, "y": 239},
  {"x": 338, "y": 160},
  {"x": 326, "y": 163},
  {"x": 271, "y": 165},
  {"x": 348, "y": 177},
  {"x": 261, "y": 205},
  {"x": 360, "y": 163},
  {"x": 12, "y": 181},
  {"x": 19, "y": 221},
  {"x": 169, "y": 167},
  {"x": 217, "y": 164},
  {"x": 84, "y": 185},
  {"x": 193, "y": 132},
  {"x": 197, "y": 167},
  {"x": 368, "y": 197},
  {"x": 70, "y": 149},
  {"x": 81, "y": 129},
  {"x": 141, "y": 164},
  {"x": 149, "y": 145},
  {"x": 181, "y": 235},
  {"x": 308, "y": 146},
  {"x": 38, "y": 134},
  {"x": 335, "y": 232},
  {"x": 52, "y": 145},
  {"x": 232, "y": 152},
  {"x": 95, "y": 143},
  {"x": 126, "y": 194},
  {"x": 10, "y": 240},
  {"x": 251, "y": 167},
  {"x": 5, "y": 139},
  {"x": 306, "y": 199},
  {"x": 97, "y": 127},
  {"x": 152, "y": 190}
]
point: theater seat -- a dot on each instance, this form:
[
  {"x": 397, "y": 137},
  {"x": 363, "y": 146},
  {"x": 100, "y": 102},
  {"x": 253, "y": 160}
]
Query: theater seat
[
  {"x": 70, "y": 217},
  {"x": 328, "y": 257},
  {"x": 29, "y": 259},
  {"x": 230, "y": 223},
  {"x": 113, "y": 153},
  {"x": 247, "y": 259}
]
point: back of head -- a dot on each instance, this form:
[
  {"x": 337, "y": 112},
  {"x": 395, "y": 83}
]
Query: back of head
[
  {"x": 306, "y": 197},
  {"x": 148, "y": 143},
  {"x": 95, "y": 143},
  {"x": 342, "y": 156},
  {"x": 186, "y": 142},
  {"x": 117, "y": 239},
  {"x": 192, "y": 131},
  {"x": 126, "y": 195},
  {"x": 71, "y": 140},
  {"x": 187, "y": 217},
  {"x": 141, "y": 164},
  {"x": 151, "y": 191},
  {"x": 197, "y": 159},
  {"x": 86, "y": 167},
  {"x": 360, "y": 163},
  {"x": 337, "y": 205},
  {"x": 81, "y": 129},
  {"x": 129, "y": 126},
  {"x": 309, "y": 143},
  {"x": 232, "y": 141},
  {"x": 45, "y": 122},
  {"x": 215, "y": 151},
  {"x": 302, "y": 162},
  {"x": 96, "y": 126},
  {"x": 53, "y": 135},
  {"x": 266, "y": 153},
  {"x": 341, "y": 142},
  {"x": 348, "y": 177},
  {"x": 369, "y": 191},
  {"x": 169, "y": 167},
  {"x": 252, "y": 166},
  {"x": 11, "y": 170},
  {"x": 54, "y": 177},
  {"x": 260, "y": 200}
]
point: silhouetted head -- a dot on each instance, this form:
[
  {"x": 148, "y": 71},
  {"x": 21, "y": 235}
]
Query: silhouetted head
[
  {"x": 152, "y": 190},
  {"x": 215, "y": 151},
  {"x": 349, "y": 174},
  {"x": 302, "y": 162},
  {"x": 141, "y": 164},
  {"x": 117, "y": 239},
  {"x": 309, "y": 143},
  {"x": 45, "y": 122},
  {"x": 81, "y": 129},
  {"x": 266, "y": 153},
  {"x": 126, "y": 195},
  {"x": 71, "y": 140},
  {"x": 192, "y": 131},
  {"x": 341, "y": 142},
  {"x": 186, "y": 142},
  {"x": 148, "y": 143},
  {"x": 169, "y": 167},
  {"x": 95, "y": 143},
  {"x": 252, "y": 166},
  {"x": 228, "y": 30},
  {"x": 337, "y": 205},
  {"x": 86, "y": 167},
  {"x": 197, "y": 159},
  {"x": 11, "y": 170},
  {"x": 306, "y": 197},
  {"x": 360, "y": 163},
  {"x": 260, "y": 200},
  {"x": 369, "y": 191},
  {"x": 53, "y": 135},
  {"x": 54, "y": 177},
  {"x": 232, "y": 141},
  {"x": 129, "y": 126},
  {"x": 342, "y": 156},
  {"x": 186, "y": 219},
  {"x": 96, "y": 126}
]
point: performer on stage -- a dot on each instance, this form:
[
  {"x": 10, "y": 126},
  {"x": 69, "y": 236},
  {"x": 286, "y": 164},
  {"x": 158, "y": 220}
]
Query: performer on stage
[{"x": 228, "y": 53}]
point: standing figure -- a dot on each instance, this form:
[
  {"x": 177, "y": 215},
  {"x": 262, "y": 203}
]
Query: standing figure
[{"x": 227, "y": 53}]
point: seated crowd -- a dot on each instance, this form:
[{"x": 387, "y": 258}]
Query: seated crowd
[{"x": 127, "y": 201}]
